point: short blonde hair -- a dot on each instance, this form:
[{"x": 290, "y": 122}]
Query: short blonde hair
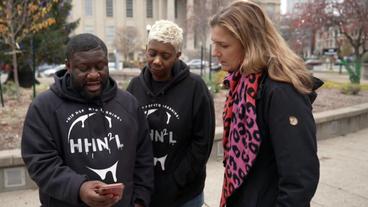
[
  {"x": 167, "y": 32},
  {"x": 263, "y": 46}
]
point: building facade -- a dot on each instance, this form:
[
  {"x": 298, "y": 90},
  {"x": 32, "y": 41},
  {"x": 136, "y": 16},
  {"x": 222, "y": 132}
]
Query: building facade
[
  {"x": 106, "y": 18},
  {"x": 272, "y": 8},
  {"x": 290, "y": 5}
]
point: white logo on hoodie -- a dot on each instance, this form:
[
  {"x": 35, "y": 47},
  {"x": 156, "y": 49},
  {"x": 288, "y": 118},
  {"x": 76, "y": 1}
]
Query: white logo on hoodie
[
  {"x": 161, "y": 136},
  {"x": 85, "y": 143}
]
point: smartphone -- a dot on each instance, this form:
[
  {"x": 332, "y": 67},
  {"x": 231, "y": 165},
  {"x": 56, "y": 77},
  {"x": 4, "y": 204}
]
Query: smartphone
[{"x": 115, "y": 189}]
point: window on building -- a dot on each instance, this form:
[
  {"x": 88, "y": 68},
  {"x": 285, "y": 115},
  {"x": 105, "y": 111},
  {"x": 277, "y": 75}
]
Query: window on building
[
  {"x": 129, "y": 8},
  {"x": 176, "y": 8},
  {"x": 88, "y": 7},
  {"x": 149, "y": 8},
  {"x": 109, "y": 8},
  {"x": 89, "y": 29},
  {"x": 110, "y": 34},
  {"x": 337, "y": 33}
]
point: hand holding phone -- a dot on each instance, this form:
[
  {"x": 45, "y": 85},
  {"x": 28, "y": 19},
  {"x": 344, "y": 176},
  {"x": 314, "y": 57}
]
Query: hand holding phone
[
  {"x": 115, "y": 189},
  {"x": 89, "y": 193}
]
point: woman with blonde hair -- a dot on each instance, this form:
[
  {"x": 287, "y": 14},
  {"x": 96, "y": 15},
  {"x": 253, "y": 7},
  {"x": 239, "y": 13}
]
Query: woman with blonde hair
[{"x": 270, "y": 148}]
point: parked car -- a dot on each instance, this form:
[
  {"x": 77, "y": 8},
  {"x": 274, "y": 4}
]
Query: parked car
[
  {"x": 112, "y": 66},
  {"x": 215, "y": 66},
  {"x": 196, "y": 64},
  {"x": 49, "y": 72},
  {"x": 43, "y": 67},
  {"x": 338, "y": 62},
  {"x": 313, "y": 62}
]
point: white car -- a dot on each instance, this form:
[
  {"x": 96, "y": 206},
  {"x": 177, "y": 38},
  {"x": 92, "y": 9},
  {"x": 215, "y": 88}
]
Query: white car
[
  {"x": 51, "y": 71},
  {"x": 196, "y": 64},
  {"x": 112, "y": 66}
]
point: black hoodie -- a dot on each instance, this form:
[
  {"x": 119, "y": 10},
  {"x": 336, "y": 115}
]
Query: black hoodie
[
  {"x": 182, "y": 122},
  {"x": 68, "y": 140}
]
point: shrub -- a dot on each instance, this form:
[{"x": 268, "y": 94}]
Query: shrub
[
  {"x": 351, "y": 89},
  {"x": 219, "y": 77},
  {"x": 215, "y": 84},
  {"x": 211, "y": 85},
  {"x": 332, "y": 84},
  {"x": 10, "y": 89}
]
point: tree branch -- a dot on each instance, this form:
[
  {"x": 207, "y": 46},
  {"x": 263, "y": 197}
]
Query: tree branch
[{"x": 23, "y": 21}]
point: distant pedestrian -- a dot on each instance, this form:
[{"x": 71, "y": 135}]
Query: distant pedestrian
[
  {"x": 85, "y": 133},
  {"x": 180, "y": 112},
  {"x": 270, "y": 147}
]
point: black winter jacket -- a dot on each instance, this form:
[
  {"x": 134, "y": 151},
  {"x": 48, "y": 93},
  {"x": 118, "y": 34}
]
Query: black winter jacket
[
  {"x": 67, "y": 140},
  {"x": 182, "y": 122},
  {"x": 286, "y": 170}
]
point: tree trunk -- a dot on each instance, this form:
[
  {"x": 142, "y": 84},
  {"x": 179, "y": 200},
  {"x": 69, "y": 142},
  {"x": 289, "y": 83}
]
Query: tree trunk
[
  {"x": 15, "y": 65},
  {"x": 313, "y": 41},
  {"x": 358, "y": 64}
]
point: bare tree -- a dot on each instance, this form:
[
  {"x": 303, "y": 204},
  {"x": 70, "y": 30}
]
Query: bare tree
[
  {"x": 127, "y": 41},
  {"x": 297, "y": 38},
  {"x": 203, "y": 10},
  {"x": 349, "y": 17}
]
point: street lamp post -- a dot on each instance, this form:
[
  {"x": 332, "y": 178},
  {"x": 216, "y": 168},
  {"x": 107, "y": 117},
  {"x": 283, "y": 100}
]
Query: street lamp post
[
  {"x": 209, "y": 63},
  {"x": 1, "y": 91},
  {"x": 148, "y": 28},
  {"x": 33, "y": 49},
  {"x": 202, "y": 59}
]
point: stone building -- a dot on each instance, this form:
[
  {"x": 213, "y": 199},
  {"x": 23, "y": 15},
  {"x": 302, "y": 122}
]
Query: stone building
[{"x": 108, "y": 18}]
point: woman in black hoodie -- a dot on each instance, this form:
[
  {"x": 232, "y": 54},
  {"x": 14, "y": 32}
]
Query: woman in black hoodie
[
  {"x": 270, "y": 148},
  {"x": 180, "y": 112}
]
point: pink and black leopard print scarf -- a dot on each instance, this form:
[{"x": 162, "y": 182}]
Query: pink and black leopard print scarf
[{"x": 241, "y": 138}]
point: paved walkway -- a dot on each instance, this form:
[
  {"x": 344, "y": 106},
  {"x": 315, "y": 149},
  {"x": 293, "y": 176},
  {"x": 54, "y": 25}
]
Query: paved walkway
[
  {"x": 335, "y": 76},
  {"x": 343, "y": 178},
  {"x": 343, "y": 181}
]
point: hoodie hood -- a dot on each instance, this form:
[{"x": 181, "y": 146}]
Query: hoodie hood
[
  {"x": 179, "y": 72},
  {"x": 62, "y": 88}
]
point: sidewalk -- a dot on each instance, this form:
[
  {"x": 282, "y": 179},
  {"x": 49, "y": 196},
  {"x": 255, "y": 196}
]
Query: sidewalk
[
  {"x": 343, "y": 180},
  {"x": 343, "y": 177},
  {"x": 324, "y": 73}
]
